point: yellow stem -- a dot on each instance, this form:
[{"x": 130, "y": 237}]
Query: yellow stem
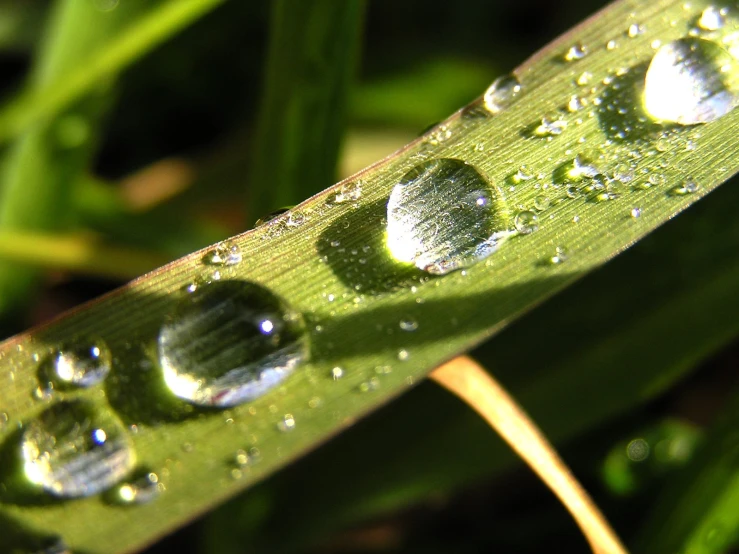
[{"x": 470, "y": 382}]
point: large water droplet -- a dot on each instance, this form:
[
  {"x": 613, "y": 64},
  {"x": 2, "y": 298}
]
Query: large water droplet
[
  {"x": 711, "y": 19},
  {"x": 444, "y": 215},
  {"x": 690, "y": 81},
  {"x": 83, "y": 363},
  {"x": 230, "y": 342},
  {"x": 501, "y": 93},
  {"x": 76, "y": 449}
]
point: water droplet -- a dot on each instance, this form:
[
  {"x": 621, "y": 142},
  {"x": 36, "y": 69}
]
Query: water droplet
[
  {"x": 295, "y": 219},
  {"x": 142, "y": 489},
  {"x": 542, "y": 202},
  {"x": 82, "y": 363},
  {"x": 4, "y": 418},
  {"x": 349, "y": 192},
  {"x": 691, "y": 81},
  {"x": 526, "y": 222},
  {"x": 550, "y": 127},
  {"x": 224, "y": 254},
  {"x": 584, "y": 78},
  {"x": 408, "y": 324},
  {"x": 522, "y": 174},
  {"x": 230, "y": 342},
  {"x": 501, "y": 93},
  {"x": 575, "y": 104},
  {"x": 106, "y": 5},
  {"x": 711, "y": 19},
  {"x": 576, "y": 52},
  {"x": 635, "y": 213},
  {"x": 337, "y": 373},
  {"x": 635, "y": 29},
  {"x": 688, "y": 187},
  {"x": 560, "y": 256},
  {"x": 403, "y": 355},
  {"x": 443, "y": 216},
  {"x": 611, "y": 45},
  {"x": 75, "y": 449},
  {"x": 272, "y": 216},
  {"x": 287, "y": 423}
]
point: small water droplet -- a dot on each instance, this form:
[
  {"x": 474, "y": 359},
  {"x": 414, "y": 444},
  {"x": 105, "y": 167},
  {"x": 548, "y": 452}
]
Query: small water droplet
[
  {"x": 295, "y": 219},
  {"x": 635, "y": 213},
  {"x": 575, "y": 103},
  {"x": 522, "y": 174},
  {"x": 272, "y": 216},
  {"x": 224, "y": 254},
  {"x": 75, "y": 449},
  {"x": 443, "y": 216},
  {"x": 408, "y": 324},
  {"x": 635, "y": 29},
  {"x": 403, "y": 355},
  {"x": 526, "y": 222},
  {"x": 501, "y": 93},
  {"x": 560, "y": 256},
  {"x": 142, "y": 489},
  {"x": 611, "y": 45},
  {"x": 711, "y": 19},
  {"x": 349, "y": 192},
  {"x": 576, "y": 52},
  {"x": 230, "y": 342},
  {"x": 83, "y": 362},
  {"x": 286, "y": 424},
  {"x": 691, "y": 81},
  {"x": 550, "y": 127},
  {"x": 542, "y": 202},
  {"x": 688, "y": 187},
  {"x": 337, "y": 373},
  {"x": 584, "y": 78}
]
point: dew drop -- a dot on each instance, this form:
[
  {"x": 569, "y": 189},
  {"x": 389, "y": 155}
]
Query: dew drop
[
  {"x": 584, "y": 78},
  {"x": 688, "y": 187},
  {"x": 691, "y": 81},
  {"x": 542, "y": 202},
  {"x": 272, "y": 216},
  {"x": 82, "y": 363},
  {"x": 501, "y": 93},
  {"x": 526, "y": 222},
  {"x": 635, "y": 29},
  {"x": 75, "y": 449},
  {"x": 560, "y": 256},
  {"x": 349, "y": 192},
  {"x": 230, "y": 342},
  {"x": 576, "y": 52},
  {"x": 403, "y": 355},
  {"x": 711, "y": 19},
  {"x": 142, "y": 489},
  {"x": 443, "y": 216},
  {"x": 575, "y": 103},
  {"x": 522, "y": 174},
  {"x": 635, "y": 213},
  {"x": 408, "y": 324},
  {"x": 550, "y": 127},
  {"x": 637, "y": 450},
  {"x": 224, "y": 254},
  {"x": 337, "y": 373},
  {"x": 287, "y": 423}
]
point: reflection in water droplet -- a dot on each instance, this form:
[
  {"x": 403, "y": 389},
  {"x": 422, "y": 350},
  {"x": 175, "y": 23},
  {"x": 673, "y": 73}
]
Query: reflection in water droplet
[
  {"x": 690, "y": 81},
  {"x": 444, "y": 215},
  {"x": 140, "y": 490},
  {"x": 501, "y": 93},
  {"x": 75, "y": 449},
  {"x": 223, "y": 254},
  {"x": 230, "y": 342},
  {"x": 83, "y": 363},
  {"x": 576, "y": 52},
  {"x": 526, "y": 222}
]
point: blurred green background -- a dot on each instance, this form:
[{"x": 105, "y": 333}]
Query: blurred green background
[{"x": 165, "y": 158}]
